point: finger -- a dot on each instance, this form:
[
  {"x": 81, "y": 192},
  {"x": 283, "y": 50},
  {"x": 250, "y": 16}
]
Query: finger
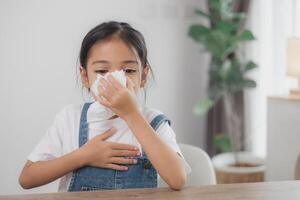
[
  {"x": 116, "y": 84},
  {"x": 104, "y": 101},
  {"x": 120, "y": 146},
  {"x": 127, "y": 153},
  {"x": 130, "y": 84},
  {"x": 107, "y": 134},
  {"x": 117, "y": 167},
  {"x": 107, "y": 85},
  {"x": 120, "y": 160},
  {"x": 104, "y": 93}
]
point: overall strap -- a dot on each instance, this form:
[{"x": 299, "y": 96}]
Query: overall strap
[
  {"x": 158, "y": 120},
  {"x": 83, "y": 127}
]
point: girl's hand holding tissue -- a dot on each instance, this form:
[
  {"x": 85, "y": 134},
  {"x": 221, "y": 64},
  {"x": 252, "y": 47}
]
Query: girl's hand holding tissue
[{"x": 121, "y": 100}]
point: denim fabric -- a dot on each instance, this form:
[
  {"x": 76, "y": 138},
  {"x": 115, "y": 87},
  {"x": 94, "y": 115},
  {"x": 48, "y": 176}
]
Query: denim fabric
[{"x": 140, "y": 175}]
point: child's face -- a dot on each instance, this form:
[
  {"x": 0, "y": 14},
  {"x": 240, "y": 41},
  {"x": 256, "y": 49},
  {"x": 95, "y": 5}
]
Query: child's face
[{"x": 112, "y": 55}]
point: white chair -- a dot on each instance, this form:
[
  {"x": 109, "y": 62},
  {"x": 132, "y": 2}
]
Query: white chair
[{"x": 202, "y": 169}]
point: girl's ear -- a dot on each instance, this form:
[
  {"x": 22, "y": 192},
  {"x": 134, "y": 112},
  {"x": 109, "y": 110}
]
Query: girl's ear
[
  {"x": 84, "y": 77},
  {"x": 144, "y": 76}
]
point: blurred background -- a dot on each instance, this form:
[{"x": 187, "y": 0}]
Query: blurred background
[{"x": 40, "y": 42}]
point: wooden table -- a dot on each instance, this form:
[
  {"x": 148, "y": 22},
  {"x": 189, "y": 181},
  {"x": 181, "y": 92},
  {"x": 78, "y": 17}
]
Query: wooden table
[{"x": 285, "y": 190}]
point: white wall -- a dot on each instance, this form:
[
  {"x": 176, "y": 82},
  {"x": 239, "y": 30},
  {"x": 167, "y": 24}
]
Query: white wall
[{"x": 40, "y": 42}]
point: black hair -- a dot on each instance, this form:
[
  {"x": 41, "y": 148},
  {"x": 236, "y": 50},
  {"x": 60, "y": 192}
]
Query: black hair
[{"x": 124, "y": 31}]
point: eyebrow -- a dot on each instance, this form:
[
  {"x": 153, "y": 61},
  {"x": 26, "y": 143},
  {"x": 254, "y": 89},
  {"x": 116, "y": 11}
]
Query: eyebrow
[
  {"x": 100, "y": 61},
  {"x": 123, "y": 62},
  {"x": 130, "y": 61}
]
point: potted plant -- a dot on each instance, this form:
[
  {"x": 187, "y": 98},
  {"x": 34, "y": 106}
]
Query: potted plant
[{"x": 228, "y": 76}]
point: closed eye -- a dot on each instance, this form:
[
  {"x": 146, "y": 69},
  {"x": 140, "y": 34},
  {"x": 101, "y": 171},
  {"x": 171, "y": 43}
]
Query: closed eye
[
  {"x": 130, "y": 71},
  {"x": 101, "y": 71}
]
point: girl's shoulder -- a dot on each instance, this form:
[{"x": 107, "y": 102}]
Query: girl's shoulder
[{"x": 70, "y": 111}]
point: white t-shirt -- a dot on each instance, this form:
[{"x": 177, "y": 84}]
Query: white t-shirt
[{"x": 62, "y": 137}]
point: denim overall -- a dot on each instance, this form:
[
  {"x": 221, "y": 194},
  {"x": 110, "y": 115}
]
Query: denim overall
[{"x": 140, "y": 175}]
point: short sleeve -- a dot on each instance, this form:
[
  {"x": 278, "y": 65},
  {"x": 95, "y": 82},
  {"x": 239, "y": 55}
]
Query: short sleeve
[
  {"x": 168, "y": 136},
  {"x": 50, "y": 146}
]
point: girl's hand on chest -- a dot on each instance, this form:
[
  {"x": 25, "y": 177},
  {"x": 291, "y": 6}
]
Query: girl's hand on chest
[
  {"x": 121, "y": 100},
  {"x": 98, "y": 152}
]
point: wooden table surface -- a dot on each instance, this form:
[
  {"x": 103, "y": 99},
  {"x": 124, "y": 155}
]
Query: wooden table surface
[{"x": 285, "y": 190}]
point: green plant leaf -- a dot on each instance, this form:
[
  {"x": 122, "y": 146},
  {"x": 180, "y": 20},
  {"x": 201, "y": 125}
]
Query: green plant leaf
[
  {"x": 203, "y": 106},
  {"x": 216, "y": 43},
  {"x": 248, "y": 83},
  {"x": 227, "y": 27},
  {"x": 198, "y": 32},
  {"x": 224, "y": 70},
  {"x": 250, "y": 65},
  {"x": 215, "y": 4},
  {"x": 222, "y": 142},
  {"x": 246, "y": 35},
  {"x": 201, "y": 13}
]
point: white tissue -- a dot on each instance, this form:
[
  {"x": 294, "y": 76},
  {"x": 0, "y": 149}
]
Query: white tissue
[
  {"x": 119, "y": 75},
  {"x": 97, "y": 112}
]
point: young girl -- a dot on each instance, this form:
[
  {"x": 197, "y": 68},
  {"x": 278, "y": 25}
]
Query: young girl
[{"x": 136, "y": 144}]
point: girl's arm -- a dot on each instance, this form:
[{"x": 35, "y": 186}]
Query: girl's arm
[
  {"x": 96, "y": 152},
  {"x": 165, "y": 160},
  {"x": 39, "y": 173},
  {"x": 123, "y": 102}
]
